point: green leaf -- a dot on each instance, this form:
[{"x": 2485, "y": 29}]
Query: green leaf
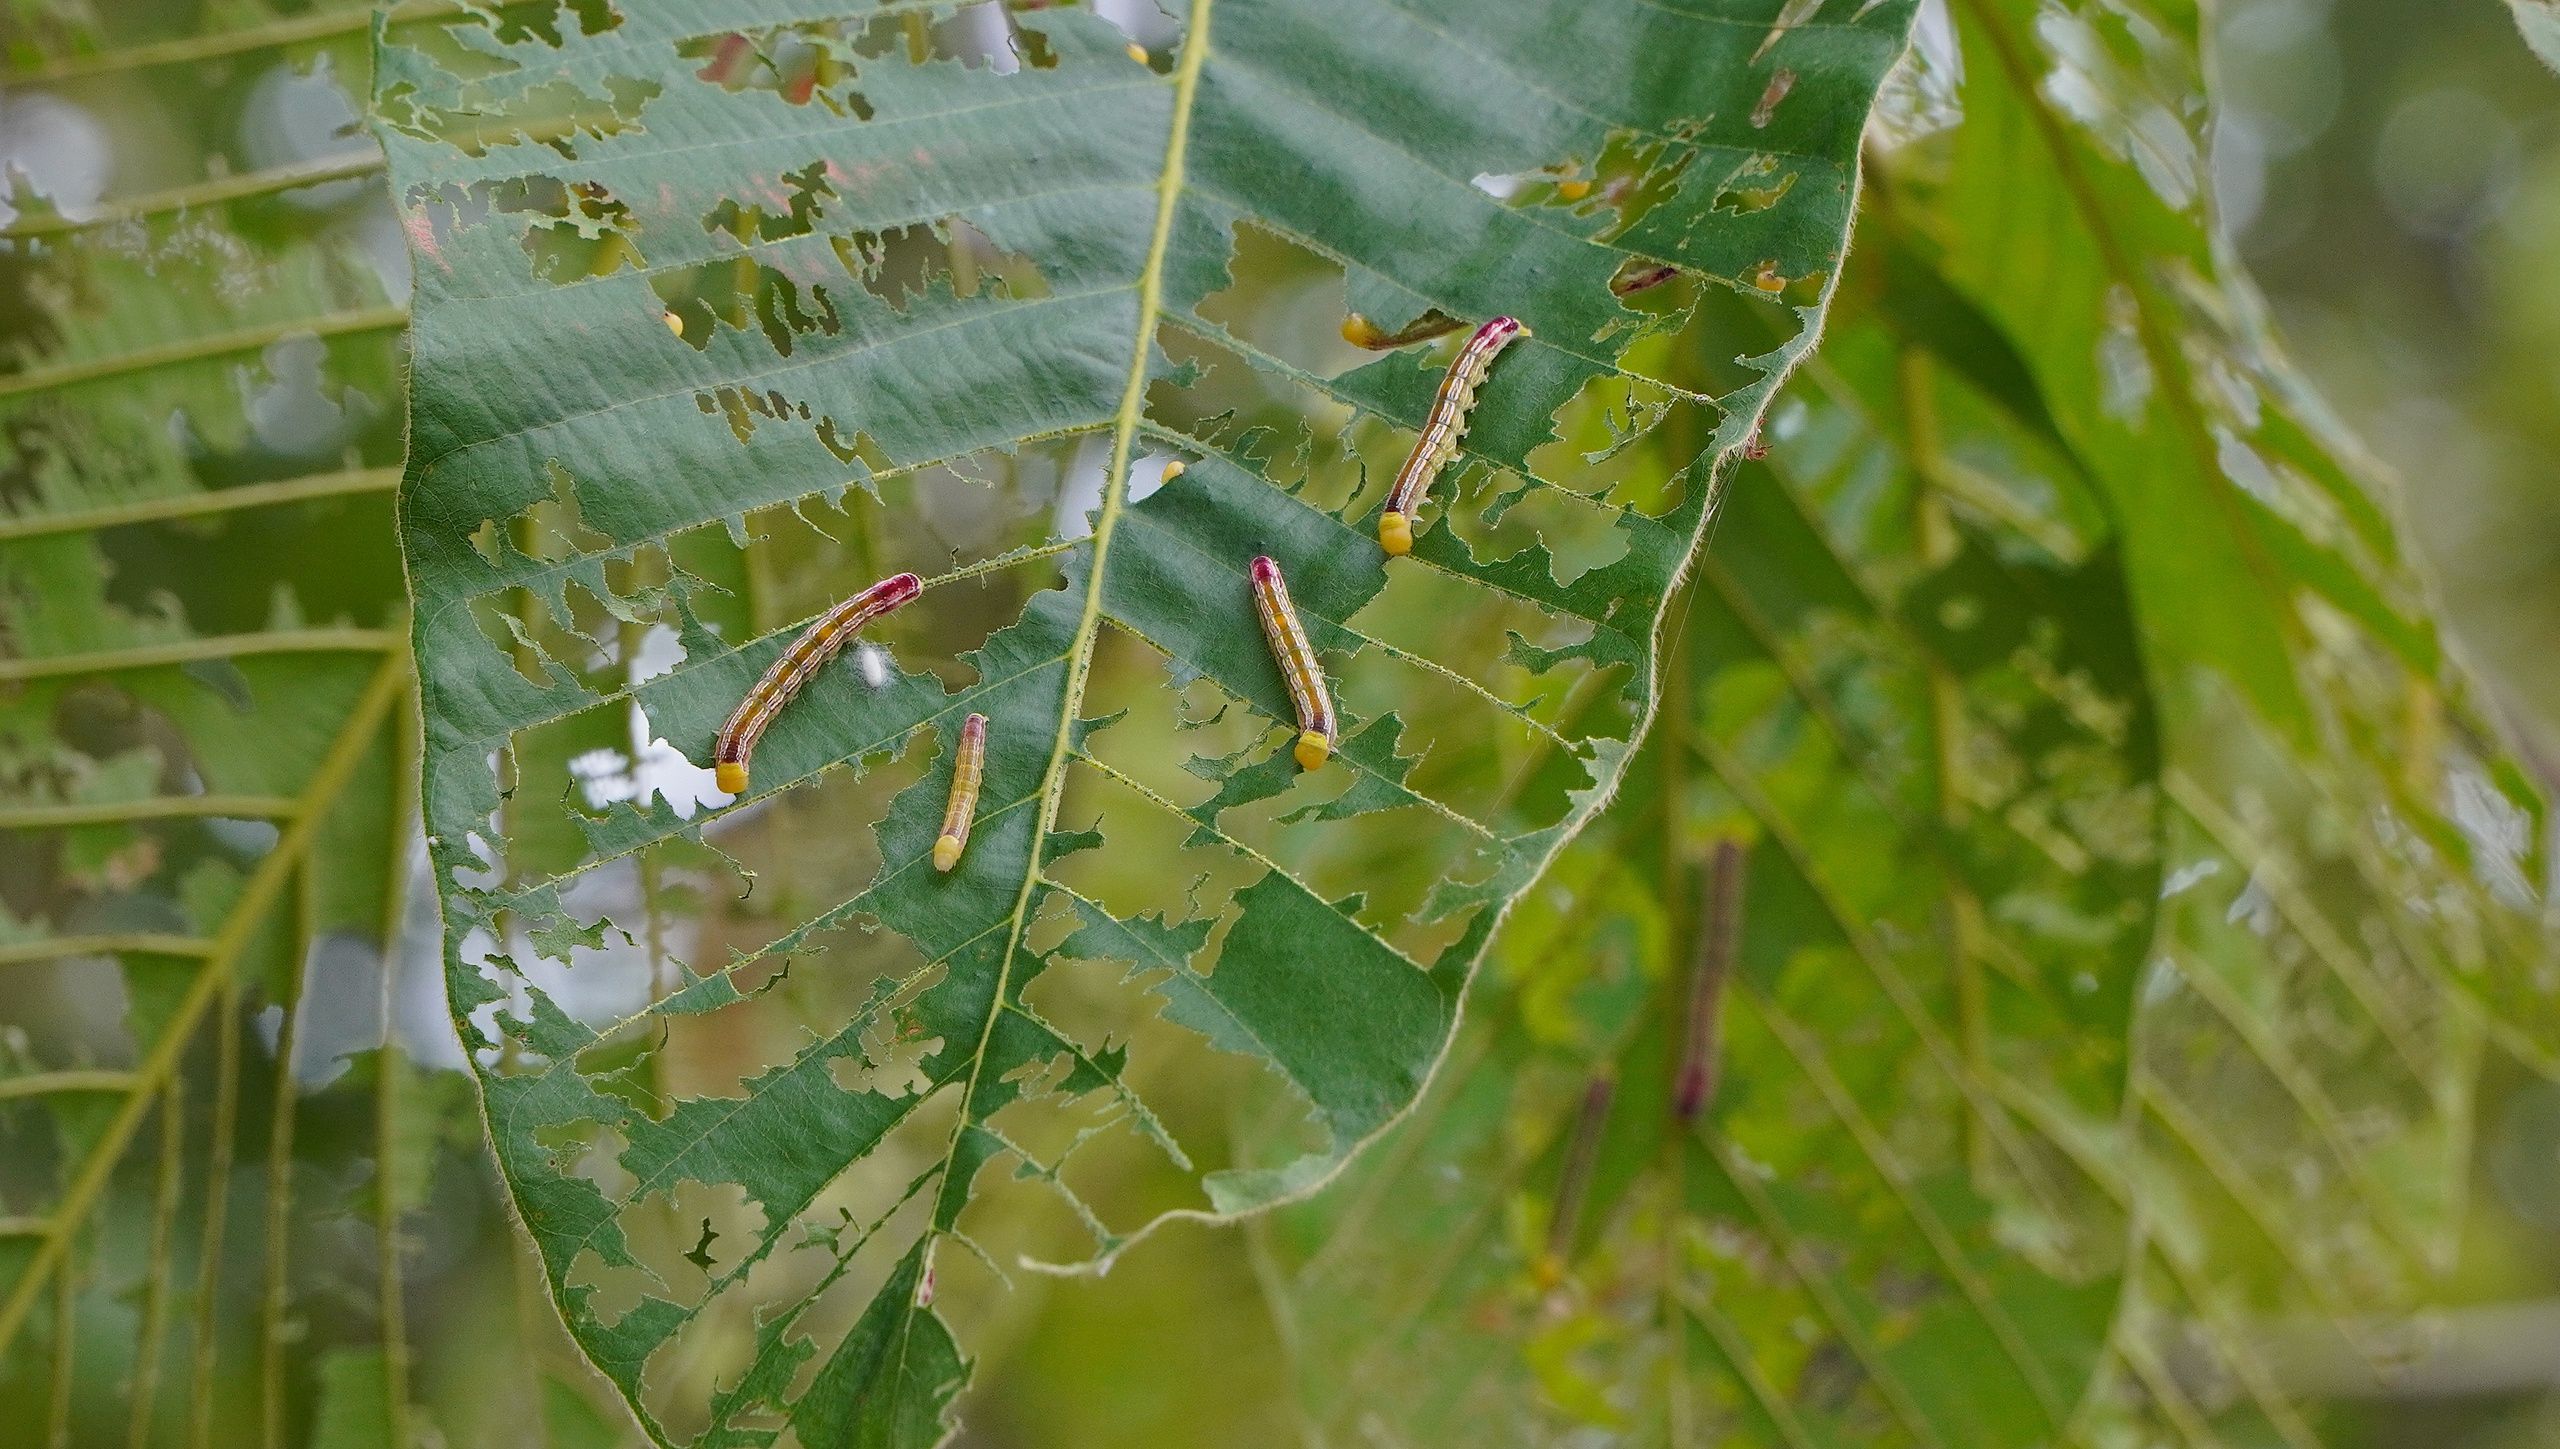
[
  {"x": 1933, "y": 735},
  {"x": 727, "y": 309},
  {"x": 2353, "y": 862},
  {"x": 2045, "y": 719},
  {"x": 203, "y": 686}
]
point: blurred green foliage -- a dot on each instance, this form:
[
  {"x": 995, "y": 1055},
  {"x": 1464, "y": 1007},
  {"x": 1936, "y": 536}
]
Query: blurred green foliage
[{"x": 2385, "y": 168}]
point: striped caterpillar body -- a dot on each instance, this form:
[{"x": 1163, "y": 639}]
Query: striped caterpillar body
[
  {"x": 798, "y": 665},
  {"x": 966, "y": 772},
  {"x": 1297, "y": 659},
  {"x": 1442, "y": 431}
]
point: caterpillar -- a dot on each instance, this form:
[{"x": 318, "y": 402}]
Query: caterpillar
[
  {"x": 798, "y": 665},
  {"x": 1442, "y": 430},
  {"x": 966, "y": 773},
  {"x": 1718, "y": 934},
  {"x": 1297, "y": 659},
  {"x": 1573, "y": 1180}
]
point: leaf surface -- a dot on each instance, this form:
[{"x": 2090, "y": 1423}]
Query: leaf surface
[{"x": 726, "y": 309}]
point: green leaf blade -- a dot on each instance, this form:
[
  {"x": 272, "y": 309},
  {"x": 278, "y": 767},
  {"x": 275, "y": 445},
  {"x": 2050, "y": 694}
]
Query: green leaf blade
[{"x": 673, "y": 301}]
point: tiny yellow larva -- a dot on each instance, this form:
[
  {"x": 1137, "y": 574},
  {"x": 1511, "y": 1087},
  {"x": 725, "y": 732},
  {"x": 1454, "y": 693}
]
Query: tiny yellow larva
[
  {"x": 1442, "y": 431},
  {"x": 1298, "y": 665},
  {"x": 798, "y": 665},
  {"x": 967, "y": 770}
]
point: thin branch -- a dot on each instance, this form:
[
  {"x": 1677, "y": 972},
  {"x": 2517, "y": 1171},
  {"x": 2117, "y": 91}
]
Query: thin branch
[
  {"x": 197, "y": 651},
  {"x": 201, "y": 502},
  {"x": 203, "y": 1346},
  {"x": 197, "y": 349},
  {"x": 280, "y": 1124},
  {"x": 45, "y": 1084},
  {"x": 66, "y": 1339},
  {"x": 391, "y": 1299},
  {"x": 61, "y": 948},
  {"x": 221, "y": 189},
  {"x": 195, "y": 49},
  {"x": 168, "y": 1187},
  {"x": 163, "y": 807}
]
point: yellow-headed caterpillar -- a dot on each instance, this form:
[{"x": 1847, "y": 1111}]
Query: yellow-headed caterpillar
[
  {"x": 966, "y": 772},
  {"x": 1297, "y": 659},
  {"x": 1442, "y": 431},
  {"x": 798, "y": 665}
]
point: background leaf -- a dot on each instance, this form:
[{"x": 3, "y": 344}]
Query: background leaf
[
  {"x": 207, "y": 812},
  {"x": 725, "y": 311},
  {"x": 2066, "y": 657}
]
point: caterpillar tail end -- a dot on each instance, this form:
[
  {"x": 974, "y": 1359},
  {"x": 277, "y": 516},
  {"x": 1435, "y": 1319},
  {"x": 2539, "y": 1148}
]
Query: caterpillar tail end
[
  {"x": 1313, "y": 749},
  {"x": 731, "y": 777},
  {"x": 946, "y": 853},
  {"x": 1395, "y": 533}
]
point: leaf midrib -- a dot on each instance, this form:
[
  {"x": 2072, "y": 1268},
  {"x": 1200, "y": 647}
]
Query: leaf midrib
[{"x": 1115, "y": 494}]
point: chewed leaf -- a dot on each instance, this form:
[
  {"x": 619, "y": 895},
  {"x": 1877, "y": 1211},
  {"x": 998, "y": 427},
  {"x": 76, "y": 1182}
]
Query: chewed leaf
[
  {"x": 2130, "y": 883},
  {"x": 1848, "y": 1063},
  {"x": 726, "y": 311},
  {"x": 2353, "y": 870}
]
